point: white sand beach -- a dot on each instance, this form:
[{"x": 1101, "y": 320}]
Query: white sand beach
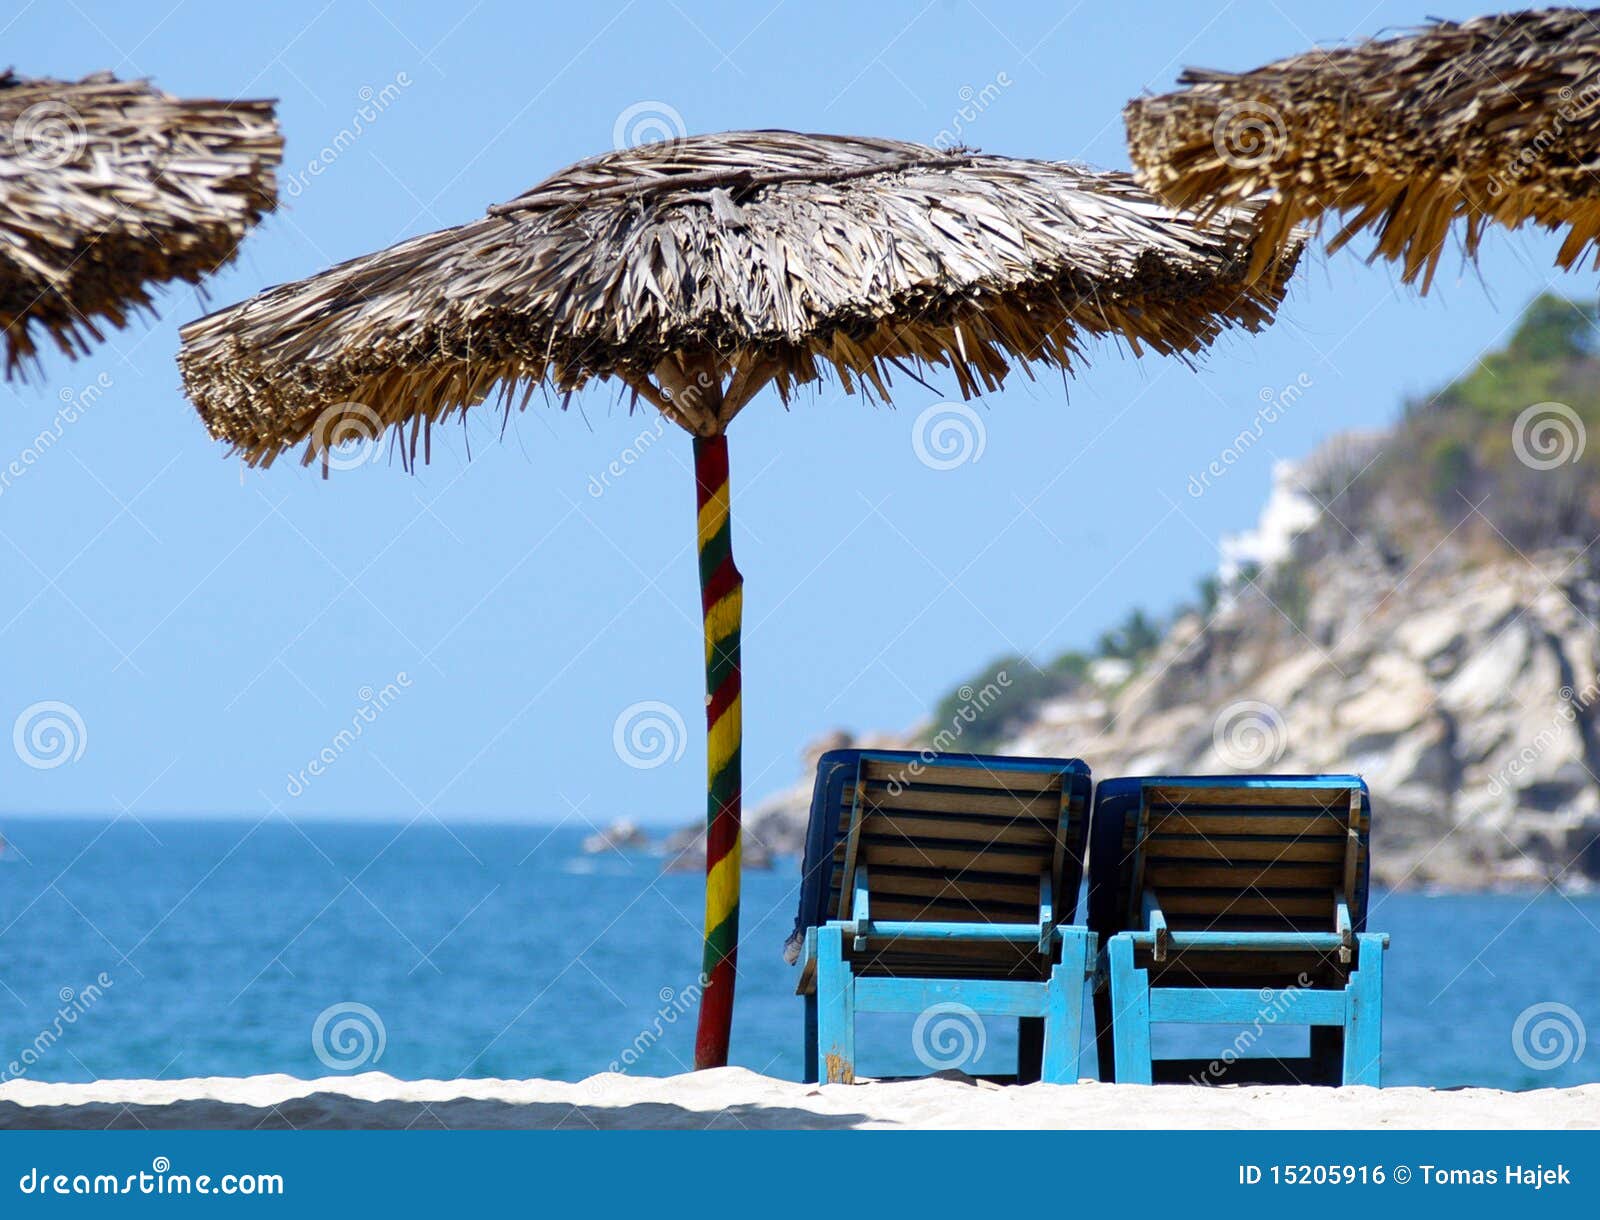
[{"x": 732, "y": 1098}]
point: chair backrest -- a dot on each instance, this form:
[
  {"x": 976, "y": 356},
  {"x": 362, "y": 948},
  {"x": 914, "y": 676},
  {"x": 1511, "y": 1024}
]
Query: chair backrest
[
  {"x": 1232, "y": 853},
  {"x": 945, "y": 837}
]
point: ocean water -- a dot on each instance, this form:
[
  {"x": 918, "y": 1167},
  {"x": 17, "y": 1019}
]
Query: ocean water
[{"x": 170, "y": 949}]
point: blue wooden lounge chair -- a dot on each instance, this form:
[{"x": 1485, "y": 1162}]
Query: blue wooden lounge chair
[
  {"x": 1236, "y": 900},
  {"x": 947, "y": 879}
]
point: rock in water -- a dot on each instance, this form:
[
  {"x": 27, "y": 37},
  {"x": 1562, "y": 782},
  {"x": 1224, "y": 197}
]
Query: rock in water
[{"x": 622, "y": 835}]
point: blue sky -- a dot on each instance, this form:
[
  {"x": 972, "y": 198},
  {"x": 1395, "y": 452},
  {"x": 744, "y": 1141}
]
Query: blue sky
[{"x": 214, "y": 629}]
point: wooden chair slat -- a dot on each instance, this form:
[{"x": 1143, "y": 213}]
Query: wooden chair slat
[
  {"x": 1240, "y": 848},
  {"x": 950, "y": 908},
  {"x": 1236, "y": 922},
  {"x": 978, "y": 894},
  {"x": 1227, "y": 903},
  {"x": 979, "y": 830},
  {"x": 1043, "y": 807},
  {"x": 1327, "y": 797},
  {"x": 964, "y": 775},
  {"x": 996, "y": 858},
  {"x": 1225, "y": 875},
  {"x": 1312, "y": 825}
]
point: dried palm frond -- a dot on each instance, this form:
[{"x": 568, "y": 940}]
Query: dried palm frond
[
  {"x": 1493, "y": 119},
  {"x": 752, "y": 256},
  {"x": 109, "y": 187}
]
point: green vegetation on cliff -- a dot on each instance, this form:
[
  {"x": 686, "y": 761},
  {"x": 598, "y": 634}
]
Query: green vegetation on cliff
[{"x": 1504, "y": 450}]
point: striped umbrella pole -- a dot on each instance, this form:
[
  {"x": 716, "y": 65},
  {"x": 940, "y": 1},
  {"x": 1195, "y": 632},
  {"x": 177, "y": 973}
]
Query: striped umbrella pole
[{"x": 721, "y": 605}]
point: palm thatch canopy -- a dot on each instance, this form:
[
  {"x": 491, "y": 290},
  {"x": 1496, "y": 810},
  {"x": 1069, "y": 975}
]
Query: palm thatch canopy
[
  {"x": 1493, "y": 119},
  {"x": 108, "y": 187},
  {"x": 750, "y": 257}
]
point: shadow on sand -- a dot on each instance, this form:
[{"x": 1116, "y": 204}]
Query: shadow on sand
[{"x": 335, "y": 1111}]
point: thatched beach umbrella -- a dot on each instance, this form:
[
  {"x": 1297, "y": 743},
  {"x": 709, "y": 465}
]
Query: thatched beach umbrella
[
  {"x": 109, "y": 187},
  {"x": 1493, "y": 119},
  {"x": 694, "y": 273}
]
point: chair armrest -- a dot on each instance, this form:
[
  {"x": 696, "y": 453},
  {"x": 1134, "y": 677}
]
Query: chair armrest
[
  {"x": 1047, "y": 913},
  {"x": 1245, "y": 942},
  {"x": 1342, "y": 925},
  {"x": 1156, "y": 923},
  {"x": 897, "y": 929},
  {"x": 860, "y": 912},
  {"x": 806, "y": 983}
]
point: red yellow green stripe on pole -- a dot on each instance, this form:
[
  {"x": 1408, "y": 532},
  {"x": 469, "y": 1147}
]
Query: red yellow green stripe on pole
[{"x": 721, "y": 606}]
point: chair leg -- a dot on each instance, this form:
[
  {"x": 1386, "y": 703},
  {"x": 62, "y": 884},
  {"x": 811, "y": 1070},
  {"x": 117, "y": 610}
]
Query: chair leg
[
  {"x": 1130, "y": 1021},
  {"x": 1363, "y": 1022},
  {"x": 810, "y": 1076},
  {"x": 836, "y": 1009},
  {"x": 1063, "y": 1028},
  {"x": 1104, "y": 1047},
  {"x": 1030, "y": 1049}
]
